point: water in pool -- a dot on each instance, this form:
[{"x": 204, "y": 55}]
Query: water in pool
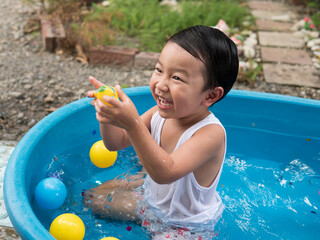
[{"x": 265, "y": 198}]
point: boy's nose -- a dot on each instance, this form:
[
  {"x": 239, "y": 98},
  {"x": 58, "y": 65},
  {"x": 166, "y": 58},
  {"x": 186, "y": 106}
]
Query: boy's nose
[{"x": 162, "y": 85}]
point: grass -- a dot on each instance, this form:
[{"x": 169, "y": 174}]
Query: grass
[
  {"x": 143, "y": 24},
  {"x": 147, "y": 25},
  {"x": 316, "y": 19},
  {"x": 313, "y": 9}
]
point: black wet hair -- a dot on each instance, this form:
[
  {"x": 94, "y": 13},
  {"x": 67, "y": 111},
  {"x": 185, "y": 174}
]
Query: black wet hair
[{"x": 217, "y": 51}]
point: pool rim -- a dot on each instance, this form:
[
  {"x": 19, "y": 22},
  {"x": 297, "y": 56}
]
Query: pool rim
[{"x": 15, "y": 195}]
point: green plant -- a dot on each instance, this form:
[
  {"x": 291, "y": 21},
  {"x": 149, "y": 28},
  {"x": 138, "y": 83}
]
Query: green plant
[
  {"x": 313, "y": 9},
  {"x": 124, "y": 85},
  {"x": 316, "y": 19},
  {"x": 144, "y": 24},
  {"x": 93, "y": 32},
  {"x": 313, "y": 4},
  {"x": 251, "y": 74},
  {"x": 152, "y": 24},
  {"x": 51, "y": 6}
]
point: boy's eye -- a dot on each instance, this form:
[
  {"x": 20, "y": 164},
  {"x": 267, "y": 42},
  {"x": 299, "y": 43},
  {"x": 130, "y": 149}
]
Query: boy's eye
[
  {"x": 177, "y": 78},
  {"x": 158, "y": 70}
]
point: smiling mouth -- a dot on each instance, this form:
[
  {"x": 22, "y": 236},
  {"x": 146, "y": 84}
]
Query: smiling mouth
[{"x": 164, "y": 103}]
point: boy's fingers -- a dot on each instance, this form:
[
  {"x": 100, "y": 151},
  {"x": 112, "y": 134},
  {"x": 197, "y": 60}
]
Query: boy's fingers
[
  {"x": 123, "y": 97},
  {"x": 90, "y": 94},
  {"x": 111, "y": 100},
  {"x": 95, "y": 82},
  {"x": 93, "y": 102},
  {"x": 102, "y": 119}
]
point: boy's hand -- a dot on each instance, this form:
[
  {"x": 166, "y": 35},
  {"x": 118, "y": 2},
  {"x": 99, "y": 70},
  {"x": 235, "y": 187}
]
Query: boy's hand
[
  {"x": 121, "y": 113},
  {"x": 96, "y": 84}
]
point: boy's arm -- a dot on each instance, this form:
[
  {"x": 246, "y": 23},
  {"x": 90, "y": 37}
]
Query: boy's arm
[
  {"x": 114, "y": 138},
  {"x": 206, "y": 147},
  {"x": 204, "y": 151}
]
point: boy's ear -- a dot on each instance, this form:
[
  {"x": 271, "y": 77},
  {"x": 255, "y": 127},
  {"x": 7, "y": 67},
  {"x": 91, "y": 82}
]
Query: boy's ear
[{"x": 213, "y": 96}]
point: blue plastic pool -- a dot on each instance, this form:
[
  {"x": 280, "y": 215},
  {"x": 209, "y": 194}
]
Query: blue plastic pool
[{"x": 270, "y": 182}]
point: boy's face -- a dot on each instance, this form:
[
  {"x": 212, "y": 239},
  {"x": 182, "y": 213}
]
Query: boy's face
[{"x": 177, "y": 83}]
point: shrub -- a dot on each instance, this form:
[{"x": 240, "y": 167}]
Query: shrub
[{"x": 151, "y": 24}]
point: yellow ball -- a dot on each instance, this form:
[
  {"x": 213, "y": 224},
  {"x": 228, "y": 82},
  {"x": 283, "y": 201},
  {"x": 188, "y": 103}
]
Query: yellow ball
[
  {"x": 109, "y": 238},
  {"x": 106, "y": 90},
  {"x": 67, "y": 227},
  {"x": 101, "y": 156}
]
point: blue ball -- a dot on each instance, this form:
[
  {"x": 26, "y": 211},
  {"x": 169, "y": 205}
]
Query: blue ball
[{"x": 50, "y": 193}]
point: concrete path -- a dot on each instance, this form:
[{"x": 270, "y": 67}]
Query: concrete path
[{"x": 284, "y": 55}]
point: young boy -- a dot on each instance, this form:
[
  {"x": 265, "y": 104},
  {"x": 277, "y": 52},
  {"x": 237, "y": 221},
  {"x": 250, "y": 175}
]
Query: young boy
[{"x": 179, "y": 142}]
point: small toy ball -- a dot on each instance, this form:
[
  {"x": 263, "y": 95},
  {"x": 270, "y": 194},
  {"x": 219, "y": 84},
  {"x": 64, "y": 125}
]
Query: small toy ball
[
  {"x": 67, "y": 226},
  {"x": 109, "y": 238},
  {"x": 101, "y": 156},
  {"x": 50, "y": 193},
  {"x": 106, "y": 90}
]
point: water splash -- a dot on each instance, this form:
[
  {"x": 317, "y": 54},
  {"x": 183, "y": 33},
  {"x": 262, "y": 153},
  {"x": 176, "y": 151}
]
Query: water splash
[{"x": 256, "y": 191}]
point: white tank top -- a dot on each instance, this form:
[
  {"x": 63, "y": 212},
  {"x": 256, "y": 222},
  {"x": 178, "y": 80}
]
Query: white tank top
[{"x": 184, "y": 203}]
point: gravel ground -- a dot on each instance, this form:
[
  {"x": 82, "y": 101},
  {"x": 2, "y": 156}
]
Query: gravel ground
[{"x": 34, "y": 83}]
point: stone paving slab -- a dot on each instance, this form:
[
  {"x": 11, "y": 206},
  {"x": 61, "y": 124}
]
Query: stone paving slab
[
  {"x": 286, "y": 74},
  {"x": 272, "y": 15},
  {"x": 280, "y": 39},
  {"x": 269, "y": 25},
  {"x": 268, "y": 6},
  {"x": 282, "y": 55}
]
